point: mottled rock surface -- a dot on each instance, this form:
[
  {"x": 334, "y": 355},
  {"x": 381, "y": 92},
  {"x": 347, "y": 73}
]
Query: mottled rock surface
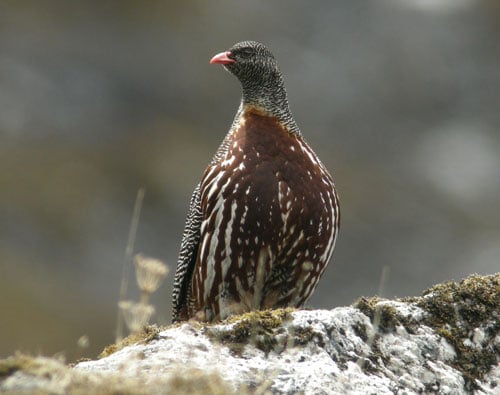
[{"x": 447, "y": 342}]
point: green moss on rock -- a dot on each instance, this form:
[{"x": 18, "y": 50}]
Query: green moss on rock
[
  {"x": 385, "y": 316},
  {"x": 456, "y": 311},
  {"x": 149, "y": 333},
  {"x": 255, "y": 327}
]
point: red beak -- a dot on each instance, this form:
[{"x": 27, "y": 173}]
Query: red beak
[{"x": 222, "y": 58}]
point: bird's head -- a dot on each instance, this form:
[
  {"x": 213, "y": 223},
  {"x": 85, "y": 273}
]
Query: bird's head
[{"x": 251, "y": 62}]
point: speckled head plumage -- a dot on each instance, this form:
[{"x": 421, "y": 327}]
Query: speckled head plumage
[
  {"x": 251, "y": 62},
  {"x": 262, "y": 83}
]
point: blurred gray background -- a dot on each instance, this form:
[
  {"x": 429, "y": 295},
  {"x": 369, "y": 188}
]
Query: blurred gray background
[{"x": 399, "y": 98}]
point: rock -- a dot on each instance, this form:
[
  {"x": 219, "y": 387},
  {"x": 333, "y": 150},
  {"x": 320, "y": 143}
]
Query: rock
[{"x": 446, "y": 342}]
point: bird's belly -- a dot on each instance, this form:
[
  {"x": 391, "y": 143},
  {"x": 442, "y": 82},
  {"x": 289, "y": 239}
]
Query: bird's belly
[{"x": 263, "y": 226}]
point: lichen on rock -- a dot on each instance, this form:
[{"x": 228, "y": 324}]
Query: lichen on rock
[{"x": 446, "y": 341}]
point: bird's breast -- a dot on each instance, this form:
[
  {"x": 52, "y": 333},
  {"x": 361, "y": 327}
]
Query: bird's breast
[
  {"x": 266, "y": 203},
  {"x": 270, "y": 181}
]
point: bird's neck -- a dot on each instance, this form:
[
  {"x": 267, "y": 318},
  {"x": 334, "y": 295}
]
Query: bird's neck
[{"x": 271, "y": 99}]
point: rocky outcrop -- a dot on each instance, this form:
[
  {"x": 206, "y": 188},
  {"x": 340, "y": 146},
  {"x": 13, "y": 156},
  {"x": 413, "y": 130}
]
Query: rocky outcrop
[{"x": 446, "y": 341}]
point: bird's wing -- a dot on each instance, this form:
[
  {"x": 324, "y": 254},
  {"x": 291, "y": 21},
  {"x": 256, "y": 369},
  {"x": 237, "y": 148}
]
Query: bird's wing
[{"x": 187, "y": 258}]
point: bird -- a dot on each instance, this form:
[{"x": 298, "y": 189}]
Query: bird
[{"x": 263, "y": 220}]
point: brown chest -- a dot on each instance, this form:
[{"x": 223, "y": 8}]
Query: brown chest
[
  {"x": 269, "y": 213},
  {"x": 268, "y": 179}
]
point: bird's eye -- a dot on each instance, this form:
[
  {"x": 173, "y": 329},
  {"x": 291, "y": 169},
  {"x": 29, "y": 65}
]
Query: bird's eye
[{"x": 245, "y": 52}]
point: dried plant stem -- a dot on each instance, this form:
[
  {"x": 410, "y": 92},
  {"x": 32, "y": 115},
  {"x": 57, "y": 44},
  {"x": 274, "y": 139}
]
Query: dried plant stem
[
  {"x": 384, "y": 277},
  {"x": 145, "y": 298},
  {"x": 127, "y": 260},
  {"x": 377, "y": 315}
]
